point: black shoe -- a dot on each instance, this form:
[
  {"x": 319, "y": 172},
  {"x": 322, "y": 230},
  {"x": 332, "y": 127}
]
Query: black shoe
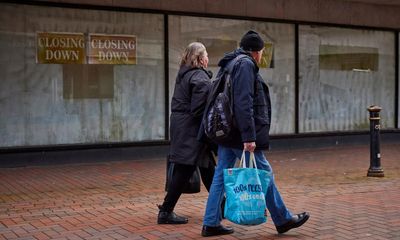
[
  {"x": 296, "y": 221},
  {"x": 170, "y": 218},
  {"x": 214, "y": 231}
]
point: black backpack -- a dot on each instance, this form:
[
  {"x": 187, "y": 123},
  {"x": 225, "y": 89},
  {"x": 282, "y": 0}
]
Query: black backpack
[{"x": 218, "y": 120}]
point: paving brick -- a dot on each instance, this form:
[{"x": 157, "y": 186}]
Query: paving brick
[{"x": 118, "y": 200}]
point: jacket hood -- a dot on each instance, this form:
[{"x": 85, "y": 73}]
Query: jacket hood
[
  {"x": 184, "y": 69},
  {"x": 230, "y": 56}
]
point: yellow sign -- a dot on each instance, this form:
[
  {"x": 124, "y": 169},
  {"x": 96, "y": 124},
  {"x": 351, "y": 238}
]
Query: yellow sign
[
  {"x": 111, "y": 49},
  {"x": 267, "y": 55},
  {"x": 60, "y": 48}
]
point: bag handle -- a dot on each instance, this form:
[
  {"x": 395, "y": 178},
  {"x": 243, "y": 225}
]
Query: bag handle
[{"x": 252, "y": 160}]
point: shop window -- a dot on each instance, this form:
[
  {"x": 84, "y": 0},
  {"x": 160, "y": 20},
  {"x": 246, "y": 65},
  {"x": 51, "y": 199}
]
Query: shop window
[
  {"x": 221, "y": 36},
  {"x": 55, "y": 95},
  {"x": 342, "y": 71}
]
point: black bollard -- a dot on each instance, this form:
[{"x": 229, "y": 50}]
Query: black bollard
[{"x": 375, "y": 169}]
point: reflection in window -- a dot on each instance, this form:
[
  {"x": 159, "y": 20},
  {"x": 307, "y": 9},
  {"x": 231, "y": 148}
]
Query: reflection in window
[
  {"x": 88, "y": 81},
  {"x": 348, "y": 58},
  {"x": 218, "y": 47}
]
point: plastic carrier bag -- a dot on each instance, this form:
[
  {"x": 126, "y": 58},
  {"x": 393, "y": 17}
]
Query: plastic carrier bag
[{"x": 245, "y": 189}]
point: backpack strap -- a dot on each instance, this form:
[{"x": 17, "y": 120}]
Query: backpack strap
[
  {"x": 228, "y": 83},
  {"x": 231, "y": 65}
]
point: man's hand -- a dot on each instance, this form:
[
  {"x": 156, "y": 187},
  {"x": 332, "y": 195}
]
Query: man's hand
[{"x": 249, "y": 146}]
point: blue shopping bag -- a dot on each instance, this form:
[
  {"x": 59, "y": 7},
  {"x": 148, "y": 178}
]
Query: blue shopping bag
[{"x": 245, "y": 189}]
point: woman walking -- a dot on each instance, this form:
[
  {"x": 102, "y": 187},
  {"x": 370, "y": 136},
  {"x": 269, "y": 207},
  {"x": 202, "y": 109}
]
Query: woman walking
[{"x": 186, "y": 152}]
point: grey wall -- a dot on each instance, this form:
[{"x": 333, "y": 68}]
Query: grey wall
[{"x": 351, "y": 12}]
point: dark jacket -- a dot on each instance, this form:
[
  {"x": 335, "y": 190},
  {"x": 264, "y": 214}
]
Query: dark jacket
[
  {"x": 251, "y": 102},
  {"x": 187, "y": 106}
]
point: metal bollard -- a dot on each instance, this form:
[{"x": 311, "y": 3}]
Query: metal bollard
[{"x": 375, "y": 169}]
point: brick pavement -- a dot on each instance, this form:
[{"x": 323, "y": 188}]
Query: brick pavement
[{"x": 117, "y": 200}]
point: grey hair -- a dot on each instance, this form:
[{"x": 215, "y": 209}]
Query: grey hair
[{"x": 193, "y": 54}]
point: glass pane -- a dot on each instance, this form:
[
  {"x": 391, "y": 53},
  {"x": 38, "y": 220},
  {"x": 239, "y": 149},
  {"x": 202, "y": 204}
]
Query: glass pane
[
  {"x": 342, "y": 72},
  {"x": 223, "y": 35},
  {"x": 81, "y": 103}
]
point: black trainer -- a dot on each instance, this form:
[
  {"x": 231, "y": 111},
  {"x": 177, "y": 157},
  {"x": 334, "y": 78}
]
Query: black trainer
[{"x": 214, "y": 231}]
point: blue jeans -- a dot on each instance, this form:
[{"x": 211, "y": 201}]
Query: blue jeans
[{"x": 226, "y": 159}]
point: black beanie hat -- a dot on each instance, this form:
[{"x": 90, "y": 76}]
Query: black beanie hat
[{"x": 251, "y": 41}]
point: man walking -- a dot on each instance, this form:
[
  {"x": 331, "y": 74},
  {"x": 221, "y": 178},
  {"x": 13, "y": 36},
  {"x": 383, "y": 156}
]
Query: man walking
[{"x": 252, "y": 112}]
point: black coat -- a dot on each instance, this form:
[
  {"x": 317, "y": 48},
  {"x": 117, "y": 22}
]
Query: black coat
[{"x": 187, "y": 106}]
